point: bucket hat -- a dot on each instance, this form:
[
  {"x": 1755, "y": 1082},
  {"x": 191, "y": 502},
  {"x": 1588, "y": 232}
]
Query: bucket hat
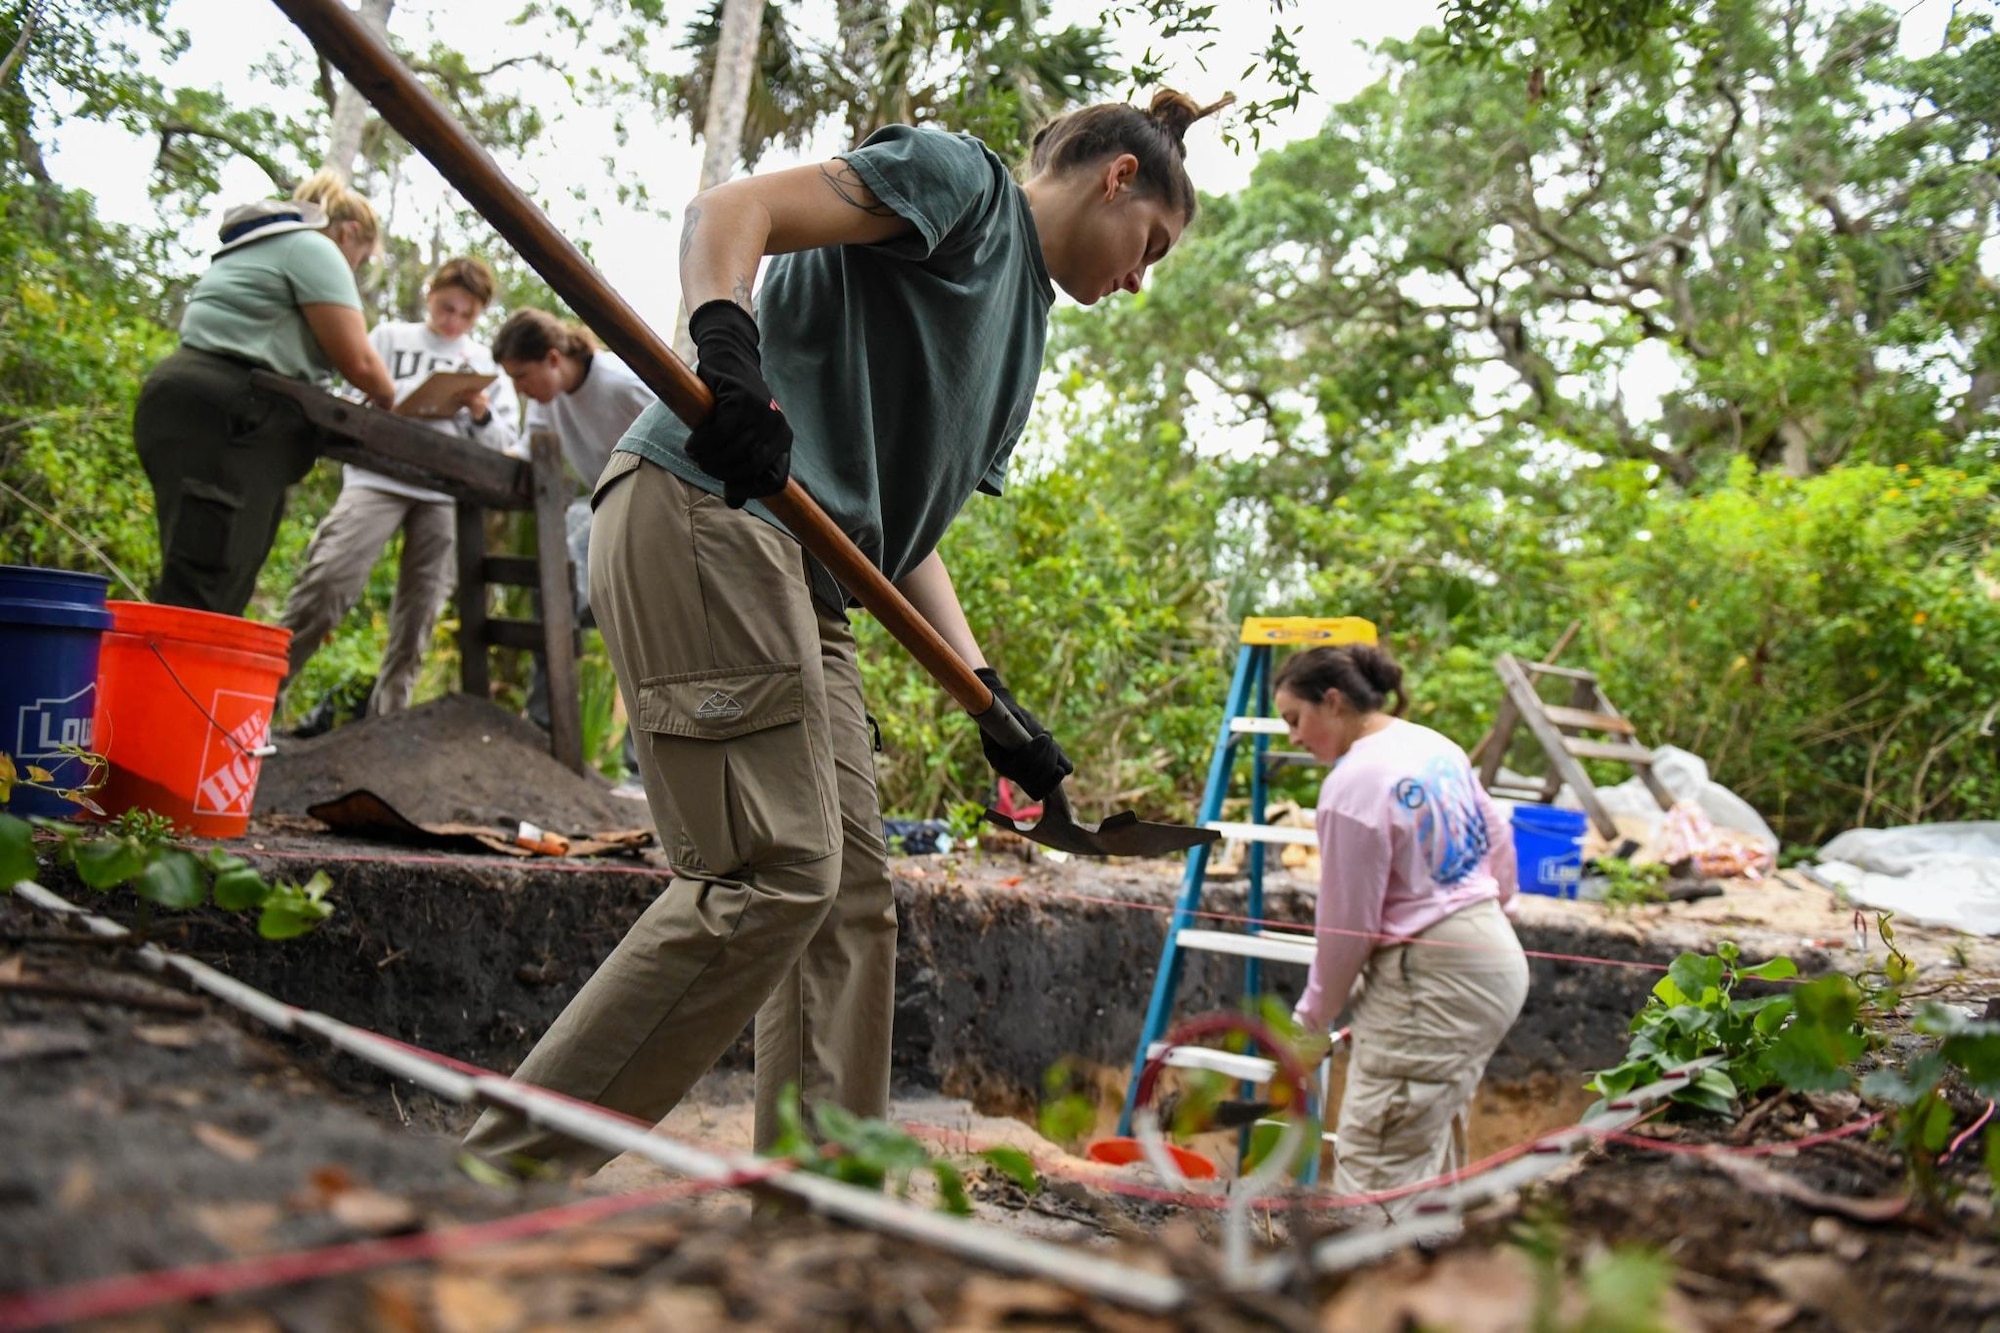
[{"x": 246, "y": 223}]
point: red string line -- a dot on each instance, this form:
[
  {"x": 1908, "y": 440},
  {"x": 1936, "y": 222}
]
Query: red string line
[
  {"x": 101, "y": 1298},
  {"x": 1756, "y": 1150},
  {"x": 1970, "y": 1130}
]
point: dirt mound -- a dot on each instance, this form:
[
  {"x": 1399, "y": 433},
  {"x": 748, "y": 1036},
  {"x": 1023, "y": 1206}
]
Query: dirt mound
[{"x": 455, "y": 760}]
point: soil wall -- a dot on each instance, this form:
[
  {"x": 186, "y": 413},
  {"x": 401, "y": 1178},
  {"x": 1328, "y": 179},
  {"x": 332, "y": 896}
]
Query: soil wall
[{"x": 1002, "y": 968}]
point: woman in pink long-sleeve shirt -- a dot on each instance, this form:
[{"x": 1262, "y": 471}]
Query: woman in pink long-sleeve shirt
[{"x": 1415, "y": 868}]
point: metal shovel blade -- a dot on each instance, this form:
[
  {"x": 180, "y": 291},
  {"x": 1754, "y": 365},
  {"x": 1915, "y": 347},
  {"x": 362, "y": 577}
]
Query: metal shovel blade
[{"x": 1122, "y": 834}]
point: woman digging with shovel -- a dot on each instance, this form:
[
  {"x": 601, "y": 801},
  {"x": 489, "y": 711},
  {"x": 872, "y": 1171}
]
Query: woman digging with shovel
[{"x": 905, "y": 319}]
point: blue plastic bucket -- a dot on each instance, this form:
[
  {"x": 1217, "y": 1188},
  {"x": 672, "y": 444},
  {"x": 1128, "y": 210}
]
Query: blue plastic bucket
[
  {"x": 1548, "y": 849},
  {"x": 51, "y": 625}
]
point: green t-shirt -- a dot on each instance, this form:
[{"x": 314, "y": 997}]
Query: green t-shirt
[
  {"x": 907, "y": 368},
  {"x": 247, "y": 304}
]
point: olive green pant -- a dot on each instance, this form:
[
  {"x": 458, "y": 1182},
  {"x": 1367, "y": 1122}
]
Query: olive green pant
[
  {"x": 220, "y": 456},
  {"x": 755, "y": 749}
]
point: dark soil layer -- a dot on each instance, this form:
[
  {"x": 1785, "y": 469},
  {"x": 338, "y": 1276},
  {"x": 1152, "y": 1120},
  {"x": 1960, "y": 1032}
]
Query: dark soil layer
[
  {"x": 456, "y": 760},
  {"x": 137, "y": 1139},
  {"x": 1747, "y": 1259},
  {"x": 1003, "y": 967}
]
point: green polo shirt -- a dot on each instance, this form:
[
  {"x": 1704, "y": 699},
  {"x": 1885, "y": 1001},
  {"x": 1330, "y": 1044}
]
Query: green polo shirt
[
  {"x": 247, "y": 304},
  {"x": 907, "y": 368}
]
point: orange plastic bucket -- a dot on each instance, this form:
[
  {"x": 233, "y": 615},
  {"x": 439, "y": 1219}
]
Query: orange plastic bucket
[
  {"x": 184, "y": 701},
  {"x": 1123, "y": 1152}
]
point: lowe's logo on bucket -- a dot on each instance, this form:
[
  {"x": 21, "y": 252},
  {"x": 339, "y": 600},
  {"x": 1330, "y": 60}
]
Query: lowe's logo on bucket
[
  {"x": 230, "y": 759},
  {"x": 1559, "y": 870},
  {"x": 48, "y": 727}
]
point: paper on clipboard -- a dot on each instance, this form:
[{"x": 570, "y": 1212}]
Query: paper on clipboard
[{"x": 438, "y": 396}]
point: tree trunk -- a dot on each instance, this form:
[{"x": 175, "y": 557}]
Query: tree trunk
[
  {"x": 350, "y": 108},
  {"x": 728, "y": 104}
]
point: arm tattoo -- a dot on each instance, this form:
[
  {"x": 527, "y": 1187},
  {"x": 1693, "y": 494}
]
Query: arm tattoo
[
  {"x": 688, "y": 225},
  {"x": 854, "y": 192},
  {"x": 741, "y": 295}
]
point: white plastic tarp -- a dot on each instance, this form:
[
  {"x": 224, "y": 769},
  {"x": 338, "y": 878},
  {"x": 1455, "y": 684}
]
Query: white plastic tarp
[
  {"x": 1685, "y": 775},
  {"x": 1939, "y": 874}
]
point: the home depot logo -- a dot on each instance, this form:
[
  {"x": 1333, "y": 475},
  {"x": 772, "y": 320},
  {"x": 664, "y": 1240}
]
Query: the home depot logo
[
  {"x": 229, "y": 761},
  {"x": 48, "y": 727}
]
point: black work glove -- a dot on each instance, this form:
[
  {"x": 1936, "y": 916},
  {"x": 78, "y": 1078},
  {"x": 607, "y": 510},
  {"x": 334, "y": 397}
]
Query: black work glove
[
  {"x": 1038, "y": 767},
  {"x": 746, "y": 443}
]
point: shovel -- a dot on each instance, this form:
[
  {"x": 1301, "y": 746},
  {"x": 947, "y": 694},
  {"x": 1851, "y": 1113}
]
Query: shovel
[{"x": 339, "y": 36}]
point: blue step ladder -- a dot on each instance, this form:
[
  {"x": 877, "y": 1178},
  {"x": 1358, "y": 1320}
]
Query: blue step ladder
[{"x": 1246, "y": 713}]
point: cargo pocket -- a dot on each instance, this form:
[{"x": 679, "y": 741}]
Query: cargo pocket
[
  {"x": 748, "y": 785},
  {"x": 204, "y": 522},
  {"x": 277, "y": 428}
]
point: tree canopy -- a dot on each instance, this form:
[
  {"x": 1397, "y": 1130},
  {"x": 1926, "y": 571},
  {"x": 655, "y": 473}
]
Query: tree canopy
[{"x": 1676, "y": 318}]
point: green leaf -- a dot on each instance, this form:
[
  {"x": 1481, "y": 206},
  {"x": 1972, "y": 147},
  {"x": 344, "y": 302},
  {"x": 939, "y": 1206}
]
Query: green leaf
[
  {"x": 1934, "y": 1126},
  {"x": 484, "y": 1172},
  {"x": 173, "y": 878},
  {"x": 1777, "y": 969},
  {"x": 836, "y": 1124},
  {"x": 240, "y": 888},
  {"x": 1815, "y": 1051},
  {"x": 291, "y": 910},
  {"x": 951, "y": 1189},
  {"x": 1621, "y": 1079},
  {"x": 1710, "y": 1090},
  {"x": 1016, "y": 1165},
  {"x": 105, "y": 863},
  {"x": 1907, "y": 1086},
  {"x": 1768, "y": 1014},
  {"x": 1971, "y": 1044},
  {"x": 1696, "y": 975},
  {"x": 17, "y": 851}
]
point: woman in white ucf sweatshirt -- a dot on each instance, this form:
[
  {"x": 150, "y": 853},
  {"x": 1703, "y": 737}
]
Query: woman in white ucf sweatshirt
[
  {"x": 373, "y": 507},
  {"x": 588, "y": 398}
]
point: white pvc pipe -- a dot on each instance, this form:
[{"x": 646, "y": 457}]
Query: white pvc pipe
[{"x": 1090, "y": 1273}]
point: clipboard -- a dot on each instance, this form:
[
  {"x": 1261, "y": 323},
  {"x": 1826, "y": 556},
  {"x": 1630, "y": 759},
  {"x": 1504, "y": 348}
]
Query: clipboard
[{"x": 433, "y": 399}]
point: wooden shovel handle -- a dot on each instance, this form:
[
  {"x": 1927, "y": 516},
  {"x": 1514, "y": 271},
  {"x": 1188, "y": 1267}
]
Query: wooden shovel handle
[{"x": 339, "y": 35}]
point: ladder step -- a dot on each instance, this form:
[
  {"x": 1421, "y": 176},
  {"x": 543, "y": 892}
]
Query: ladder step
[
  {"x": 1327, "y": 1136},
  {"x": 1271, "y": 945},
  {"x": 1532, "y": 795},
  {"x": 1259, "y": 726},
  {"x": 1567, "y": 673},
  {"x": 1625, "y": 751},
  {"x": 1304, "y": 837},
  {"x": 1585, "y": 720},
  {"x": 1249, "y": 1068},
  {"x": 1280, "y": 758}
]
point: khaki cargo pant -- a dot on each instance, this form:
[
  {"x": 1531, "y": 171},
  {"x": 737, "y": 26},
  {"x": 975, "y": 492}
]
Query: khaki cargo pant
[
  {"x": 1427, "y": 1021},
  {"x": 344, "y": 549},
  {"x": 756, "y": 752}
]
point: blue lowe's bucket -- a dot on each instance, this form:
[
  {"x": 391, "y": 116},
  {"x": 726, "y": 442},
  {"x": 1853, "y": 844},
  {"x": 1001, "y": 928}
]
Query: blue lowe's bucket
[
  {"x": 1548, "y": 849},
  {"x": 51, "y": 623}
]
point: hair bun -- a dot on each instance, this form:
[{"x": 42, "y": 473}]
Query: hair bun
[
  {"x": 1176, "y": 110},
  {"x": 1377, "y": 668}
]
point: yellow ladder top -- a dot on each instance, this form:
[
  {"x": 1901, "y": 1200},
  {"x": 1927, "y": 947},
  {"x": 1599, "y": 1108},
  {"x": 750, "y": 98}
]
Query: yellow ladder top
[{"x": 1316, "y": 631}]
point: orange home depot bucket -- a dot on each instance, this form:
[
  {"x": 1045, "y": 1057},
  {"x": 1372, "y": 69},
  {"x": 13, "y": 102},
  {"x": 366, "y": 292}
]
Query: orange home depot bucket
[{"x": 184, "y": 701}]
